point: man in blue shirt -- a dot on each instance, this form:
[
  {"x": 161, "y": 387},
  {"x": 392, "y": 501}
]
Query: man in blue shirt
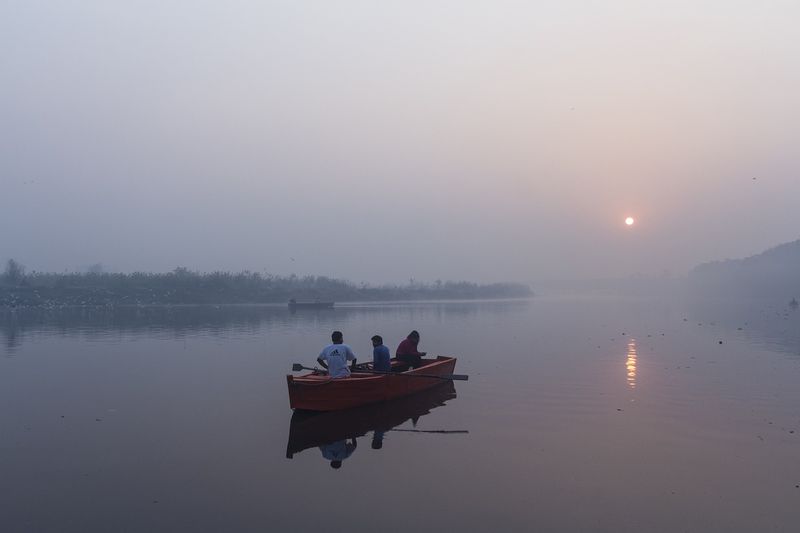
[{"x": 381, "y": 358}]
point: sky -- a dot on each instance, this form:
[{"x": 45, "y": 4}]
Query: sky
[{"x": 383, "y": 141}]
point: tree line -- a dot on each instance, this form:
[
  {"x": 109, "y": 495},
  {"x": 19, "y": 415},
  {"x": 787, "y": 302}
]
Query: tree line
[{"x": 184, "y": 286}]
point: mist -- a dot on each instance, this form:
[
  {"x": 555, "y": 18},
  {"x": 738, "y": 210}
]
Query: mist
[{"x": 396, "y": 140}]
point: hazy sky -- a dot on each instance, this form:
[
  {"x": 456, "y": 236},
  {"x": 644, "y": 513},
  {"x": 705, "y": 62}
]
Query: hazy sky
[{"x": 382, "y": 140}]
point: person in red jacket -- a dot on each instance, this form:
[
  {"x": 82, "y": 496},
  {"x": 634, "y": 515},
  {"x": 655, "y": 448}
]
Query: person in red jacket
[{"x": 407, "y": 351}]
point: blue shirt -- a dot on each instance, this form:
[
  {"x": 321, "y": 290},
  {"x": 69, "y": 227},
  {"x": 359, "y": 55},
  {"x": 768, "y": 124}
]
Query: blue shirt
[{"x": 380, "y": 359}]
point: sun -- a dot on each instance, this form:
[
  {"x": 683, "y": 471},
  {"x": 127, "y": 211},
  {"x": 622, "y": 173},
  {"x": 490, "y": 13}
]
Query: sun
[{"x": 629, "y": 221}]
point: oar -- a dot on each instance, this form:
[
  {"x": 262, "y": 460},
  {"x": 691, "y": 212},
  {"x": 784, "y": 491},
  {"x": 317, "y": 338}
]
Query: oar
[
  {"x": 448, "y": 431},
  {"x": 446, "y": 377},
  {"x": 297, "y": 367}
]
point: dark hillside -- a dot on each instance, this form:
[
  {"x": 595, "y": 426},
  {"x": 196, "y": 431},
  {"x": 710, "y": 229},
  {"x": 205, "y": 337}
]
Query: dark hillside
[{"x": 774, "y": 273}]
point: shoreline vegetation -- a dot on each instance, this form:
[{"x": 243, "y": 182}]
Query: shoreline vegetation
[{"x": 185, "y": 287}]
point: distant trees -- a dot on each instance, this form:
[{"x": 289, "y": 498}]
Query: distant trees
[
  {"x": 183, "y": 286},
  {"x": 14, "y": 273}
]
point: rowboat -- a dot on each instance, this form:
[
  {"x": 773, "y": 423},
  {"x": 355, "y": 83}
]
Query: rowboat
[
  {"x": 309, "y": 304},
  {"x": 309, "y": 429},
  {"x": 318, "y": 392}
]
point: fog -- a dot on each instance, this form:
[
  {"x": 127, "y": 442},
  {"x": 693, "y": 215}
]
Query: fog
[{"x": 381, "y": 141}]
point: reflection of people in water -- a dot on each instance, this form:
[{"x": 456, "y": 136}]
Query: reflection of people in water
[
  {"x": 308, "y": 431},
  {"x": 338, "y": 451},
  {"x": 377, "y": 439}
]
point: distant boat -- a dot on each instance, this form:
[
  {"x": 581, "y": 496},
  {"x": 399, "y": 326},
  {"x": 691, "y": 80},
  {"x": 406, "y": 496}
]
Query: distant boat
[
  {"x": 793, "y": 304},
  {"x": 309, "y": 304}
]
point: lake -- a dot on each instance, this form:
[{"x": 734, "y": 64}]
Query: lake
[{"x": 582, "y": 413}]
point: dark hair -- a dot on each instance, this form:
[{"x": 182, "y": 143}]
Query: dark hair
[
  {"x": 377, "y": 338},
  {"x": 414, "y": 333},
  {"x": 336, "y": 336},
  {"x": 336, "y": 464}
]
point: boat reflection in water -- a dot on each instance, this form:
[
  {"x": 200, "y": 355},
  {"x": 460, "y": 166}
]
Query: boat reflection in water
[{"x": 335, "y": 432}]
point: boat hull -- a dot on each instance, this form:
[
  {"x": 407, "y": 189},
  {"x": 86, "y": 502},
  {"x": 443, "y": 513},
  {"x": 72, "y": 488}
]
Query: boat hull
[
  {"x": 321, "y": 393},
  {"x": 309, "y": 429}
]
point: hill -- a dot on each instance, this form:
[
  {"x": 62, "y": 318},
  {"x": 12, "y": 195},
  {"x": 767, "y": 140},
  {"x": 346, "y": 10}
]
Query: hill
[{"x": 774, "y": 273}]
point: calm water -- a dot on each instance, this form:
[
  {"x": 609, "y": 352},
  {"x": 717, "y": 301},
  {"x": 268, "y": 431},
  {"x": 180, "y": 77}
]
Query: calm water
[{"x": 581, "y": 414}]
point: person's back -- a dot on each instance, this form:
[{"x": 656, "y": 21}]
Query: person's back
[
  {"x": 381, "y": 358},
  {"x": 406, "y": 347},
  {"x": 334, "y": 357},
  {"x": 407, "y": 350}
]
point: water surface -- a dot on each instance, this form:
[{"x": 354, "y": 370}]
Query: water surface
[{"x": 581, "y": 414}]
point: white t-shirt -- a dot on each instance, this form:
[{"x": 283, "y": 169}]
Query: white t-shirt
[
  {"x": 337, "y": 451},
  {"x": 337, "y": 356}
]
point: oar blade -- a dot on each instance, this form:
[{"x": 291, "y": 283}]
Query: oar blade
[{"x": 297, "y": 367}]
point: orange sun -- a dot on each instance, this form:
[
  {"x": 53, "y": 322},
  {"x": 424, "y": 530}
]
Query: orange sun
[{"x": 629, "y": 221}]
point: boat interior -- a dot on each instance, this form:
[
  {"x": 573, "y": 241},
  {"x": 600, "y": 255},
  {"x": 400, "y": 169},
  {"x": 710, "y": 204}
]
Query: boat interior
[
  {"x": 397, "y": 366},
  {"x": 367, "y": 369}
]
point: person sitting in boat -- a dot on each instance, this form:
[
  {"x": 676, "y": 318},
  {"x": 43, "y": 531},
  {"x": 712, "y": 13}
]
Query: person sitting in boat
[
  {"x": 381, "y": 358},
  {"x": 338, "y": 451},
  {"x": 334, "y": 357},
  {"x": 407, "y": 351}
]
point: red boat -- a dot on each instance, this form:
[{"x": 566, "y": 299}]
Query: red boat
[{"x": 318, "y": 392}]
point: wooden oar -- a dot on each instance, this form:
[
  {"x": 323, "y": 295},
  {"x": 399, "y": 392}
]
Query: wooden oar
[
  {"x": 447, "y": 431},
  {"x": 446, "y": 377},
  {"x": 297, "y": 367}
]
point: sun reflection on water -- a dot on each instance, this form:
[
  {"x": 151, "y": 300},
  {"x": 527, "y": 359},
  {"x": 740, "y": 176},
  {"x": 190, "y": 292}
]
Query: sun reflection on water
[{"x": 630, "y": 363}]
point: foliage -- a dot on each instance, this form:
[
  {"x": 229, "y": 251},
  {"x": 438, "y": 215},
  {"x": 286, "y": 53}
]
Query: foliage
[
  {"x": 183, "y": 286},
  {"x": 14, "y": 273}
]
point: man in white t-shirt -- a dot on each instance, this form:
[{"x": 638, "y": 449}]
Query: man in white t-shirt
[
  {"x": 334, "y": 357},
  {"x": 336, "y": 452}
]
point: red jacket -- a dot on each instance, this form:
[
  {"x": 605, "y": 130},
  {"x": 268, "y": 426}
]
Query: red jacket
[{"x": 407, "y": 347}]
